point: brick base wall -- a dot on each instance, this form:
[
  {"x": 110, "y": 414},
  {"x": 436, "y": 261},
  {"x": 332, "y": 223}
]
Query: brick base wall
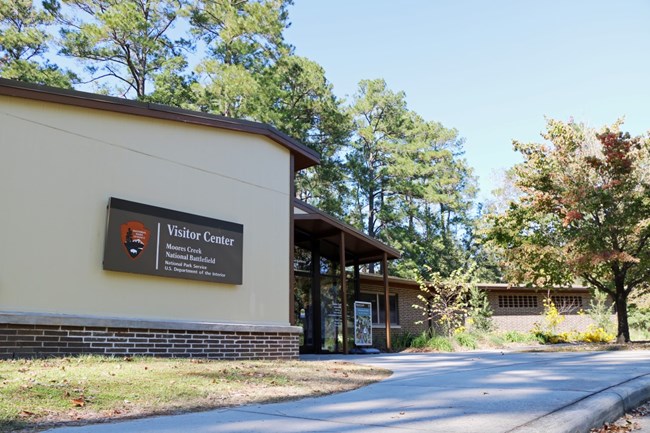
[
  {"x": 522, "y": 323},
  {"x": 36, "y": 340}
]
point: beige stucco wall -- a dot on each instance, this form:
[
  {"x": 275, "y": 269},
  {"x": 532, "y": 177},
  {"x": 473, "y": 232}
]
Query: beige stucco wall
[{"x": 58, "y": 167}]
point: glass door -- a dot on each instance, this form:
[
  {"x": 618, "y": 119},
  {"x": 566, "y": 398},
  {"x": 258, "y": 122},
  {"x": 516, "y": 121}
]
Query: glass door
[
  {"x": 331, "y": 315},
  {"x": 304, "y": 302},
  {"x": 318, "y": 301},
  {"x": 304, "y": 311}
]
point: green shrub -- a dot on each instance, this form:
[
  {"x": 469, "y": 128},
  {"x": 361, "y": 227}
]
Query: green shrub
[
  {"x": 519, "y": 337},
  {"x": 595, "y": 335},
  {"x": 495, "y": 340},
  {"x": 600, "y": 312},
  {"x": 639, "y": 318},
  {"x": 443, "y": 299},
  {"x": 440, "y": 343},
  {"x": 466, "y": 340},
  {"x": 552, "y": 317},
  {"x": 546, "y": 337},
  {"x": 639, "y": 334},
  {"x": 542, "y": 336},
  {"x": 591, "y": 335},
  {"x": 421, "y": 341},
  {"x": 432, "y": 341},
  {"x": 479, "y": 311},
  {"x": 402, "y": 341}
]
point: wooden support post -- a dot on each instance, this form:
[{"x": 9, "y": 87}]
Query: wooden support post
[
  {"x": 316, "y": 298},
  {"x": 357, "y": 280},
  {"x": 344, "y": 295},
  {"x": 384, "y": 265}
]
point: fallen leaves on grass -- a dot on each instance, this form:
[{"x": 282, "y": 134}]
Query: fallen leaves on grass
[
  {"x": 91, "y": 389},
  {"x": 627, "y": 423}
]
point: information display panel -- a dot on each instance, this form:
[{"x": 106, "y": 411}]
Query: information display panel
[{"x": 362, "y": 323}]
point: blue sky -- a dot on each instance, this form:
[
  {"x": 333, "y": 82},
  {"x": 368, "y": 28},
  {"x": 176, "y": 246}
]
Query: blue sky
[{"x": 491, "y": 69}]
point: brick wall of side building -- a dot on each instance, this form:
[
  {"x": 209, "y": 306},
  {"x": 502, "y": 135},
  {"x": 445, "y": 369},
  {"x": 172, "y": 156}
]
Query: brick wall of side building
[
  {"x": 522, "y": 310},
  {"x": 408, "y": 316},
  {"x": 514, "y": 309}
]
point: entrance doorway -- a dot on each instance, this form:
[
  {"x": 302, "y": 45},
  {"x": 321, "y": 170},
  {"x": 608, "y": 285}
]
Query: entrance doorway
[
  {"x": 318, "y": 301},
  {"x": 322, "y": 296}
]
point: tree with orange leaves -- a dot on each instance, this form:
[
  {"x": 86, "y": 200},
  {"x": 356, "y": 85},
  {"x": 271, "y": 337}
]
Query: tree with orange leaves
[{"x": 583, "y": 213}]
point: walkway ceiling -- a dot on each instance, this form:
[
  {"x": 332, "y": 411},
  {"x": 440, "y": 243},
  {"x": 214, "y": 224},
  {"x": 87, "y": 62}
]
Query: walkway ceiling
[{"x": 312, "y": 223}]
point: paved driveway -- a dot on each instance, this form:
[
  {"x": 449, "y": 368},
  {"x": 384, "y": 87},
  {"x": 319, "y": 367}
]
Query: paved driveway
[{"x": 459, "y": 392}]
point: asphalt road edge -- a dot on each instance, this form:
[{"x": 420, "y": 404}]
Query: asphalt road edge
[{"x": 594, "y": 410}]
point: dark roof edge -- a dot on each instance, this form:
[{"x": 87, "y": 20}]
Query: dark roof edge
[
  {"x": 392, "y": 252},
  {"x": 377, "y": 279},
  {"x": 506, "y": 286},
  {"x": 404, "y": 282},
  {"x": 304, "y": 156}
]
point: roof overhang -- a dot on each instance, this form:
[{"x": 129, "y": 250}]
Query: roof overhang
[
  {"x": 319, "y": 225},
  {"x": 303, "y": 156},
  {"x": 499, "y": 287},
  {"x": 396, "y": 282}
]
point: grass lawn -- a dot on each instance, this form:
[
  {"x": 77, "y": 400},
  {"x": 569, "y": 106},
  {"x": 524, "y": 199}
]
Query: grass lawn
[{"x": 35, "y": 394}]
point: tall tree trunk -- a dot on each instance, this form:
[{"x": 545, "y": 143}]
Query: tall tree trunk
[
  {"x": 371, "y": 225},
  {"x": 371, "y": 214},
  {"x": 620, "y": 300}
]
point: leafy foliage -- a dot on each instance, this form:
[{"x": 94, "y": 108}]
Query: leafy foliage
[
  {"x": 301, "y": 103},
  {"x": 583, "y": 213},
  {"x": 409, "y": 185},
  {"x": 600, "y": 311},
  {"x": 466, "y": 340},
  {"x": 379, "y": 117},
  {"x": 444, "y": 300},
  {"x": 479, "y": 310},
  {"x": 596, "y": 334},
  {"x": 440, "y": 343},
  {"x": 24, "y": 40},
  {"x": 244, "y": 41},
  {"x": 124, "y": 40},
  {"x": 402, "y": 341},
  {"x": 519, "y": 337},
  {"x": 245, "y": 33},
  {"x": 593, "y": 334},
  {"x": 551, "y": 318},
  {"x": 639, "y": 318}
]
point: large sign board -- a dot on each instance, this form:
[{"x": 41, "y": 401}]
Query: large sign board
[
  {"x": 362, "y": 323},
  {"x": 150, "y": 240}
]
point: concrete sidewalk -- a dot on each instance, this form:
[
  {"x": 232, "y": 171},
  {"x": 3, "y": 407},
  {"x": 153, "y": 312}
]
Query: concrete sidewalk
[{"x": 479, "y": 392}]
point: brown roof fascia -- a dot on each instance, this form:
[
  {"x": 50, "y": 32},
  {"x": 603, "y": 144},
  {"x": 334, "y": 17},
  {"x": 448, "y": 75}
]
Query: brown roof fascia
[
  {"x": 498, "y": 287},
  {"x": 304, "y": 156},
  {"x": 394, "y": 282},
  {"x": 404, "y": 283},
  {"x": 312, "y": 212}
]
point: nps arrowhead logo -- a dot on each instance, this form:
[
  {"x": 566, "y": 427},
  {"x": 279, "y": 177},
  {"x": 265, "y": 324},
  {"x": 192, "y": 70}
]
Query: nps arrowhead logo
[{"x": 135, "y": 237}]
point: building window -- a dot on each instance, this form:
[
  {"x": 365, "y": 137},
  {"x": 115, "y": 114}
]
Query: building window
[
  {"x": 567, "y": 304},
  {"x": 517, "y": 301},
  {"x": 379, "y": 307}
]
